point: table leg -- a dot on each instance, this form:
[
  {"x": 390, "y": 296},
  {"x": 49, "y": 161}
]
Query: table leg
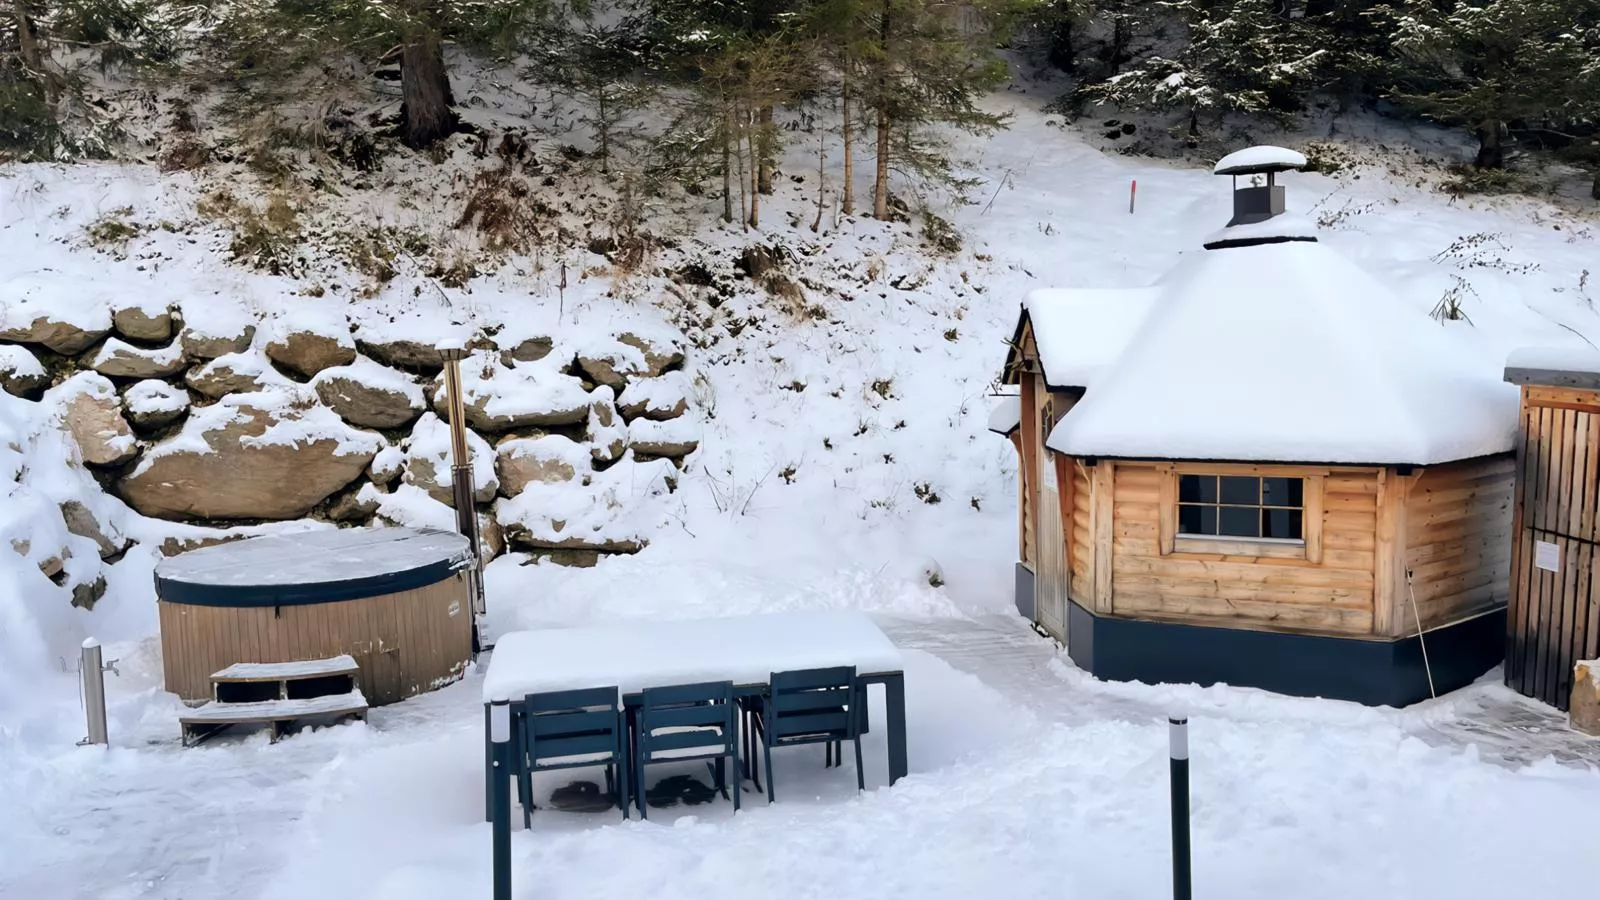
[
  {"x": 488, "y": 769},
  {"x": 894, "y": 689}
]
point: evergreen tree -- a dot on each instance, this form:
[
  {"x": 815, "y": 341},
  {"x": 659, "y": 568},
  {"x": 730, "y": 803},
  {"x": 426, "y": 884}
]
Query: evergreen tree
[
  {"x": 1491, "y": 64},
  {"x": 600, "y": 66},
  {"x": 1238, "y": 57}
]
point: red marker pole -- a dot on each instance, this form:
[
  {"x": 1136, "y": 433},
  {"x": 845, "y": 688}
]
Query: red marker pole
[{"x": 1133, "y": 190}]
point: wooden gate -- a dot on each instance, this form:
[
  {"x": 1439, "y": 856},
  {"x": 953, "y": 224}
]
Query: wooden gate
[{"x": 1554, "y": 616}]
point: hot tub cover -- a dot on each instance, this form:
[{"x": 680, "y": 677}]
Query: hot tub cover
[{"x": 304, "y": 567}]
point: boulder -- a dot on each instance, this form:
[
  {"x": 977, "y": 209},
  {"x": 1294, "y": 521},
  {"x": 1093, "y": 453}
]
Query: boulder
[
  {"x": 606, "y": 431},
  {"x": 388, "y": 465},
  {"x": 499, "y": 399},
  {"x": 50, "y": 565},
  {"x": 365, "y": 393},
  {"x": 153, "y": 404},
  {"x": 21, "y": 373},
  {"x": 86, "y": 594},
  {"x": 174, "y": 545},
  {"x": 412, "y": 356},
  {"x": 428, "y": 462},
  {"x": 213, "y": 344},
  {"x": 91, "y": 412},
  {"x": 143, "y": 323},
  {"x": 527, "y": 350},
  {"x": 309, "y": 352},
  {"x": 120, "y": 359},
  {"x": 672, "y": 440},
  {"x": 1585, "y": 707},
  {"x": 660, "y": 398},
  {"x": 600, "y": 513},
  {"x": 357, "y": 506},
  {"x": 491, "y": 538},
  {"x": 233, "y": 373},
  {"x": 550, "y": 459},
  {"x": 612, "y": 364},
  {"x": 276, "y": 454},
  {"x": 661, "y": 354},
  {"x": 82, "y": 521},
  {"x": 64, "y": 337}
]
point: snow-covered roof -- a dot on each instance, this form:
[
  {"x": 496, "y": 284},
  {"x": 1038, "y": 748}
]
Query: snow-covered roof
[
  {"x": 1555, "y": 359},
  {"x": 1006, "y": 416},
  {"x": 1284, "y": 227},
  {"x": 1081, "y": 331},
  {"x": 1289, "y": 352},
  {"x": 1259, "y": 159}
]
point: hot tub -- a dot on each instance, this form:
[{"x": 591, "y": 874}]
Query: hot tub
[{"x": 395, "y": 599}]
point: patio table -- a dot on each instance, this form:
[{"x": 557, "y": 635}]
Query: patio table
[{"x": 745, "y": 650}]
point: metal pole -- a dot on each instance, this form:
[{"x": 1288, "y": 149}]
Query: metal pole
[
  {"x": 1133, "y": 191},
  {"x": 500, "y": 743},
  {"x": 94, "y": 692},
  {"x": 461, "y": 481},
  {"x": 1178, "y": 739}
]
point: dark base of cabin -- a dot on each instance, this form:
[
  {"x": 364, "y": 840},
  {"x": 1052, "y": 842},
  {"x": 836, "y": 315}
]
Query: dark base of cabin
[
  {"x": 1024, "y": 597},
  {"x": 1375, "y": 673}
]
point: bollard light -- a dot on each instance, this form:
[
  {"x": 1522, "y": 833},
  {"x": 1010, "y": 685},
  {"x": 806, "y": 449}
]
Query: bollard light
[
  {"x": 500, "y": 753},
  {"x": 93, "y": 673},
  {"x": 1178, "y": 746}
]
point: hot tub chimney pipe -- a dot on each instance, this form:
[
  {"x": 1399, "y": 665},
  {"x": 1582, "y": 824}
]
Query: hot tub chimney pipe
[{"x": 453, "y": 352}]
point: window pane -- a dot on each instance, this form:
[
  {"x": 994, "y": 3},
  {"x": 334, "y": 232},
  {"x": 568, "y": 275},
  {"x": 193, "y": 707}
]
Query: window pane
[
  {"x": 1197, "y": 488},
  {"x": 1281, "y": 523},
  {"x": 1282, "y": 492},
  {"x": 1242, "y": 491},
  {"x": 1197, "y": 520},
  {"x": 1239, "y": 521}
]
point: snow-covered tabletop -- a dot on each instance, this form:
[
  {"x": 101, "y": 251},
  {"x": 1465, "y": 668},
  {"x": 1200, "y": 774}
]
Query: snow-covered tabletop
[{"x": 637, "y": 655}]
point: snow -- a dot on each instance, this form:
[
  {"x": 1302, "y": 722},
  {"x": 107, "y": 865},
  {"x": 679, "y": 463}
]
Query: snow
[
  {"x": 278, "y": 709},
  {"x": 1289, "y": 352},
  {"x": 152, "y": 397},
  {"x": 90, "y": 643},
  {"x": 1555, "y": 359},
  {"x": 597, "y": 511},
  {"x": 52, "y": 296},
  {"x": 527, "y": 390},
  {"x": 741, "y": 649},
  {"x": 1081, "y": 331},
  {"x": 683, "y": 430},
  {"x": 16, "y": 360},
  {"x": 314, "y": 557},
  {"x": 1282, "y": 226},
  {"x": 548, "y": 448},
  {"x": 252, "y": 364},
  {"x": 656, "y": 397},
  {"x": 304, "y": 668},
  {"x": 1259, "y": 159},
  {"x": 1006, "y": 415}
]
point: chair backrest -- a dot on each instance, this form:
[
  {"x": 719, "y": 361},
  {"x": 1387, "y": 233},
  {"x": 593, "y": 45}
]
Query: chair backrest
[
  {"x": 814, "y": 702},
  {"x": 562, "y": 724},
  {"x": 688, "y": 719}
]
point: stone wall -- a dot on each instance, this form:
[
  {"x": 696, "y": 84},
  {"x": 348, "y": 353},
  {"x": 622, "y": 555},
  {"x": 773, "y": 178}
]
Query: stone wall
[{"x": 218, "y": 420}]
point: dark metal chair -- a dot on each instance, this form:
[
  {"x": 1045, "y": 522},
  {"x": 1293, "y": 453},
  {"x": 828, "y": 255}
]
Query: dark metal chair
[
  {"x": 574, "y": 729},
  {"x": 688, "y": 722},
  {"x": 808, "y": 706}
]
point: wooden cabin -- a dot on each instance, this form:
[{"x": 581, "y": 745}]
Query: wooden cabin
[
  {"x": 1263, "y": 470},
  {"x": 1554, "y": 616}
]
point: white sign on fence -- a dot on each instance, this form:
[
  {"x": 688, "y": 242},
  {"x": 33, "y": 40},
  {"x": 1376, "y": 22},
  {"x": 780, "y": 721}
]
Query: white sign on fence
[{"x": 1547, "y": 556}]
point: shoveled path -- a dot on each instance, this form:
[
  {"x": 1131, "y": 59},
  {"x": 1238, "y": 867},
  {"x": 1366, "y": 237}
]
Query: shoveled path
[{"x": 1009, "y": 656}]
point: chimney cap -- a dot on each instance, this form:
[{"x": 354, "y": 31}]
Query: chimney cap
[{"x": 1253, "y": 160}]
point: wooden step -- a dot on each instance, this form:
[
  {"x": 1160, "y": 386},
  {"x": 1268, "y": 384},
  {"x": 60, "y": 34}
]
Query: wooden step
[
  {"x": 289, "y": 671},
  {"x": 210, "y": 718}
]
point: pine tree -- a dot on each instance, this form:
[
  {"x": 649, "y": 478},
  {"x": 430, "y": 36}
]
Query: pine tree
[
  {"x": 1492, "y": 64},
  {"x": 599, "y": 65},
  {"x": 1238, "y": 57},
  {"x": 921, "y": 69}
]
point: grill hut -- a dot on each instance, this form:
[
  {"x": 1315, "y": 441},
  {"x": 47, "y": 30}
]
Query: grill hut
[{"x": 1263, "y": 470}]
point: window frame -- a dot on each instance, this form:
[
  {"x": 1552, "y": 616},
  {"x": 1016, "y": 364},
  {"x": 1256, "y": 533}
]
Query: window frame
[{"x": 1307, "y": 549}]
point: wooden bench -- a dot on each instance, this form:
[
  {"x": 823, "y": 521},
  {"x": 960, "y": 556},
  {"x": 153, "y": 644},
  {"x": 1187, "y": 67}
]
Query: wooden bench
[{"x": 277, "y": 694}]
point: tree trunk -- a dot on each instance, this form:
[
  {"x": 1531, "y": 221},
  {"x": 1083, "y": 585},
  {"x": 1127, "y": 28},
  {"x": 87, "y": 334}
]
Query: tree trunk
[
  {"x": 822, "y": 178},
  {"x": 32, "y": 57},
  {"x": 880, "y": 182},
  {"x": 427, "y": 111},
  {"x": 764, "y": 179},
  {"x": 849, "y": 200},
  {"x": 605, "y": 133},
  {"x": 1594, "y": 189},
  {"x": 753, "y": 140},
  {"x": 1491, "y": 151},
  {"x": 727, "y": 160}
]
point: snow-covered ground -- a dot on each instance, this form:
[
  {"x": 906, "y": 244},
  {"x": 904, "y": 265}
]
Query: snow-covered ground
[{"x": 843, "y": 464}]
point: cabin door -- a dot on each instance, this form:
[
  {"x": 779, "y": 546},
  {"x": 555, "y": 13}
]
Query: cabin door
[
  {"x": 1554, "y": 616},
  {"x": 1051, "y": 576}
]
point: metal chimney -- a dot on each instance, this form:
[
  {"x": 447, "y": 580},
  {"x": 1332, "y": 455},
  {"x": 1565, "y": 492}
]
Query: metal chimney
[{"x": 1260, "y": 199}]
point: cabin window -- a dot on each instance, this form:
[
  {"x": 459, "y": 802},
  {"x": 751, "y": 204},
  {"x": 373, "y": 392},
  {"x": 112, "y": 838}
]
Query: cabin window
[{"x": 1241, "y": 506}]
